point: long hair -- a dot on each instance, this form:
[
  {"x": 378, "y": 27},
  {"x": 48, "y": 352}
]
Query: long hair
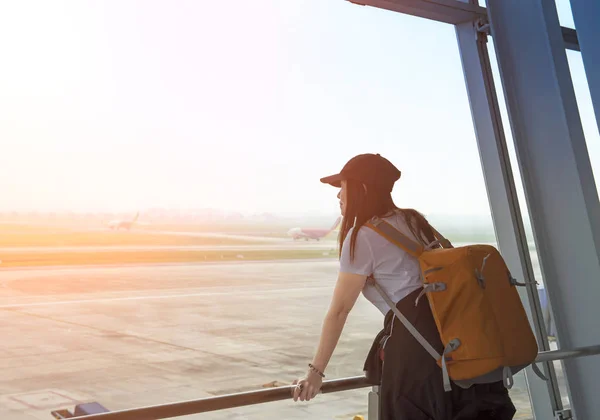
[{"x": 362, "y": 206}]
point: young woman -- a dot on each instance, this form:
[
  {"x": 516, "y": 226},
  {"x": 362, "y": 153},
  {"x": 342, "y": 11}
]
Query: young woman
[{"x": 411, "y": 385}]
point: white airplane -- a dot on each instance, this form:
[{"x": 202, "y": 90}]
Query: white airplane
[{"x": 125, "y": 224}]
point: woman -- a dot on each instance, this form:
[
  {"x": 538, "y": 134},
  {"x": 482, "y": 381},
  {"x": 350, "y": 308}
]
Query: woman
[{"x": 411, "y": 385}]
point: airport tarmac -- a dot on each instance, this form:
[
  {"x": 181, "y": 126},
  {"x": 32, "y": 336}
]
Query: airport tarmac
[{"x": 142, "y": 335}]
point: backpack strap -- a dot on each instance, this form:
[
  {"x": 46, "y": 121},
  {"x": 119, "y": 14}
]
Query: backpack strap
[
  {"x": 452, "y": 345},
  {"x": 404, "y": 242},
  {"x": 396, "y": 237},
  {"x": 410, "y": 327}
]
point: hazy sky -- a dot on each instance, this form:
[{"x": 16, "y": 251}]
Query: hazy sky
[{"x": 241, "y": 105}]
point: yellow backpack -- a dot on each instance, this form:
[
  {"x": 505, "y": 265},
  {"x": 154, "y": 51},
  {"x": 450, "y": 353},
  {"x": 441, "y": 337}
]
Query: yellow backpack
[{"x": 479, "y": 315}]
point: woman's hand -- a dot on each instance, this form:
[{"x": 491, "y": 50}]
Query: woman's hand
[{"x": 308, "y": 387}]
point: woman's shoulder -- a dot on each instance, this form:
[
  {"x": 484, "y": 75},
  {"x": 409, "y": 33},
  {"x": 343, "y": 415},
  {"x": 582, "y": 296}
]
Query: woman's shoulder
[{"x": 399, "y": 221}]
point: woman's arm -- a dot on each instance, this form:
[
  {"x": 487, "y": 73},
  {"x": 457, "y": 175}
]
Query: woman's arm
[{"x": 345, "y": 294}]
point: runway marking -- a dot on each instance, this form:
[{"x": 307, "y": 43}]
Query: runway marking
[{"x": 224, "y": 293}]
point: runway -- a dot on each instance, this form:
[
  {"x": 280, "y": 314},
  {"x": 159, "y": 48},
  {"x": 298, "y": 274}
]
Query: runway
[
  {"x": 287, "y": 245},
  {"x": 142, "y": 335}
]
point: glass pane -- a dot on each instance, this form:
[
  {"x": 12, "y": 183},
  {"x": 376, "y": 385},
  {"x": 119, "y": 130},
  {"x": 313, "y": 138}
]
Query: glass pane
[{"x": 215, "y": 125}]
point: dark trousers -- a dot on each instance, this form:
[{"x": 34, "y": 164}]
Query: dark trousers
[{"x": 411, "y": 386}]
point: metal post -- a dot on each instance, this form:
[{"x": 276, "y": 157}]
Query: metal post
[
  {"x": 373, "y": 409},
  {"x": 557, "y": 176},
  {"x": 586, "y": 14},
  {"x": 447, "y": 11},
  {"x": 502, "y": 196}
]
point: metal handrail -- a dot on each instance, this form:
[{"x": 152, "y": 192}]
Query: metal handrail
[
  {"x": 546, "y": 356},
  {"x": 222, "y": 402}
]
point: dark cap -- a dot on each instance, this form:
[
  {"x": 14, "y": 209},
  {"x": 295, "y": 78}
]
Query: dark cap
[{"x": 370, "y": 169}]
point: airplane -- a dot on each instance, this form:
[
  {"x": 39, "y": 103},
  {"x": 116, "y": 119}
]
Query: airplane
[
  {"x": 313, "y": 233},
  {"x": 125, "y": 224}
]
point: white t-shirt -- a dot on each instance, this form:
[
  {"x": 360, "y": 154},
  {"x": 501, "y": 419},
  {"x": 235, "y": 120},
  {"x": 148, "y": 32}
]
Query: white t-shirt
[{"x": 396, "y": 271}]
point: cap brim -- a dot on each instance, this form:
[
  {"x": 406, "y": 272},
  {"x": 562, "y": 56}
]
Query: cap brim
[{"x": 335, "y": 180}]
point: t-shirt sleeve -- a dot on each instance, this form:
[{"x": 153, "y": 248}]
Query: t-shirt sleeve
[{"x": 363, "y": 255}]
